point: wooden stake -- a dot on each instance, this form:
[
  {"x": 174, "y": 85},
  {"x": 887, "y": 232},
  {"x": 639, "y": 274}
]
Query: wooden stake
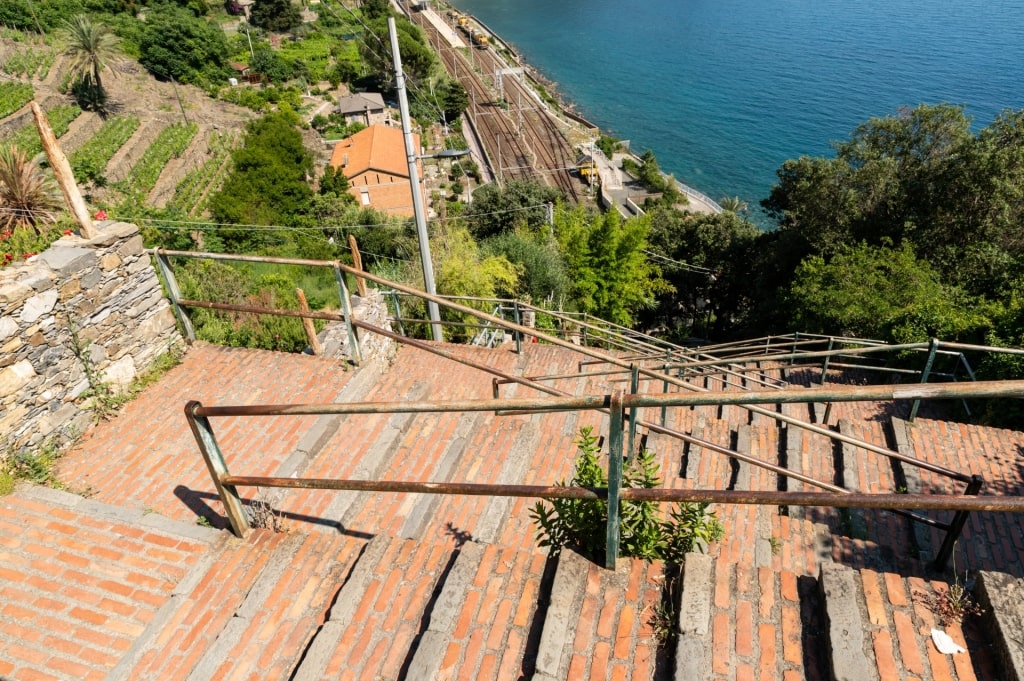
[
  {"x": 307, "y": 324},
  {"x": 357, "y": 262},
  {"x": 62, "y": 171}
]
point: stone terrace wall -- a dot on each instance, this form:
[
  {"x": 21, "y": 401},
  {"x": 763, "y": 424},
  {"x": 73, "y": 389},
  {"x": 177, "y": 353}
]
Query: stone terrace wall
[{"x": 107, "y": 289}]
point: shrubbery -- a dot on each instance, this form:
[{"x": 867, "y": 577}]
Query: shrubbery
[{"x": 580, "y": 524}]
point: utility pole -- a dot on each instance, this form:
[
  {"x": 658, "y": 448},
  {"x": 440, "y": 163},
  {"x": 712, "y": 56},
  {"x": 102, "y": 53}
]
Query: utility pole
[{"x": 414, "y": 181}]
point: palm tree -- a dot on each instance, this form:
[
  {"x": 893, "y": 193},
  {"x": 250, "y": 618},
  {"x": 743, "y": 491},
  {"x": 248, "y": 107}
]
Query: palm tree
[
  {"x": 733, "y": 204},
  {"x": 28, "y": 197},
  {"x": 91, "y": 47}
]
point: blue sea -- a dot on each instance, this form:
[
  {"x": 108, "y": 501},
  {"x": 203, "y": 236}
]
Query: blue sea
[{"x": 724, "y": 91}]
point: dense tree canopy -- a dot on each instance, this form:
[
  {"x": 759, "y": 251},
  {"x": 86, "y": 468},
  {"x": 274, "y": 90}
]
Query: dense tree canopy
[
  {"x": 268, "y": 184},
  {"x": 496, "y": 209},
  {"x": 176, "y": 44},
  {"x": 275, "y": 15}
]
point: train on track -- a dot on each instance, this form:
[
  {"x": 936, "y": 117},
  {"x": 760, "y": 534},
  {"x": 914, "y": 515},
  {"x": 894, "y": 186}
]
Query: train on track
[{"x": 479, "y": 37}]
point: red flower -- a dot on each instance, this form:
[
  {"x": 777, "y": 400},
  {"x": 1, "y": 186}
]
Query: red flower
[
  {"x": 100, "y": 215},
  {"x": 67, "y": 232}
]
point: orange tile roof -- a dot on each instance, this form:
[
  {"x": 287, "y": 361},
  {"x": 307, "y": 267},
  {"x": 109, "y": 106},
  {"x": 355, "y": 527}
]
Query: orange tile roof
[
  {"x": 374, "y": 162},
  {"x": 377, "y": 147}
]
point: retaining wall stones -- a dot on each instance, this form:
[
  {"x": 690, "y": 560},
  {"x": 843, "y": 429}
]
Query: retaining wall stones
[{"x": 106, "y": 291}]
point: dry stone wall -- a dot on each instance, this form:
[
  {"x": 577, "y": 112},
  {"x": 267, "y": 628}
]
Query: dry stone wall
[{"x": 95, "y": 301}]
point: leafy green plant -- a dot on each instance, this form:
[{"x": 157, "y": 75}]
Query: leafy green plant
[
  {"x": 191, "y": 193},
  {"x": 90, "y": 161},
  {"x": 170, "y": 143},
  {"x": 13, "y": 96},
  {"x": 581, "y": 523},
  {"x": 60, "y": 119},
  {"x": 31, "y": 465}
]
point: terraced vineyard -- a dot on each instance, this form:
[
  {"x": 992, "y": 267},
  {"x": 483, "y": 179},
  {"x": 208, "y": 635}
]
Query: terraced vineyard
[
  {"x": 170, "y": 143},
  {"x": 30, "y": 63},
  {"x": 89, "y": 163},
  {"x": 13, "y": 96},
  {"x": 192, "y": 192},
  {"x": 60, "y": 118}
]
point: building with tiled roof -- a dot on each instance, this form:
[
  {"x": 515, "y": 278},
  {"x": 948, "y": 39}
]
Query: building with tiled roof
[
  {"x": 367, "y": 108},
  {"x": 375, "y": 164}
]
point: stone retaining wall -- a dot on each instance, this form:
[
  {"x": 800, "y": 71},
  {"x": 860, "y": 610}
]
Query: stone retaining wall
[{"x": 106, "y": 291}]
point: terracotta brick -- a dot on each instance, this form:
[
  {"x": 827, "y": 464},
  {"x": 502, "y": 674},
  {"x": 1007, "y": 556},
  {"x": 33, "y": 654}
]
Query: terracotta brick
[
  {"x": 767, "y": 664},
  {"x": 788, "y": 586},
  {"x": 609, "y": 610},
  {"x": 723, "y": 592},
  {"x": 884, "y": 656},
  {"x": 499, "y": 625},
  {"x": 894, "y": 590},
  {"x": 721, "y": 644},
  {"x": 599, "y": 661},
  {"x": 907, "y": 638},
  {"x": 624, "y": 633},
  {"x": 744, "y": 672},
  {"x": 792, "y": 647},
  {"x": 744, "y": 628},
  {"x": 873, "y": 596},
  {"x": 577, "y": 667}
]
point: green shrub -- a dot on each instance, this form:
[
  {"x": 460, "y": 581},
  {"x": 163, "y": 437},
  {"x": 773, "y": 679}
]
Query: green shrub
[{"x": 580, "y": 524}]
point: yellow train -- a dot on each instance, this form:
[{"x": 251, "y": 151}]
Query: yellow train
[{"x": 479, "y": 37}]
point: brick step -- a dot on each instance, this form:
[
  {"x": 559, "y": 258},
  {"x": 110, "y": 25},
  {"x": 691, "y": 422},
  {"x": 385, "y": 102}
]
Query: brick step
[
  {"x": 879, "y": 627},
  {"x": 380, "y": 613},
  {"x": 245, "y": 611},
  {"x": 82, "y": 580},
  {"x": 154, "y": 444},
  {"x": 602, "y": 624},
  {"x": 760, "y": 623}
]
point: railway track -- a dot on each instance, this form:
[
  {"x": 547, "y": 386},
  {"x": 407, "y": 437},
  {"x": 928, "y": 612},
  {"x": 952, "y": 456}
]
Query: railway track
[{"x": 520, "y": 136}]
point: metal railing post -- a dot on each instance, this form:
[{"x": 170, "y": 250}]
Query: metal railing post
[
  {"x": 172, "y": 290},
  {"x": 634, "y": 385},
  {"x": 203, "y": 432},
  {"x": 933, "y": 348},
  {"x": 664, "y": 384},
  {"x": 614, "y": 480},
  {"x": 955, "y": 527},
  {"x": 519, "y": 335},
  {"x": 346, "y": 307},
  {"x": 796, "y": 339},
  {"x": 398, "y": 312},
  {"x": 824, "y": 365}
]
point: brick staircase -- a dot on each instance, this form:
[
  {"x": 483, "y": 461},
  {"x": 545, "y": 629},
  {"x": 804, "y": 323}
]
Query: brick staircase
[{"x": 124, "y": 584}]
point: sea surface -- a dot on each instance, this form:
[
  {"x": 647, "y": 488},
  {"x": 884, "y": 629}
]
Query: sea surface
[{"x": 724, "y": 91}]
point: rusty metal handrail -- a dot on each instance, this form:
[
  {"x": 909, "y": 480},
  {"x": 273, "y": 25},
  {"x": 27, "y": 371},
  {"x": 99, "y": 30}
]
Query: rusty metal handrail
[{"x": 617, "y": 403}]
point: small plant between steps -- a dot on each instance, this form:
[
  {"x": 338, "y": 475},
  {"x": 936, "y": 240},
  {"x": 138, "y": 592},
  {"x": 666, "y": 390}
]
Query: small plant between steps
[{"x": 580, "y": 523}]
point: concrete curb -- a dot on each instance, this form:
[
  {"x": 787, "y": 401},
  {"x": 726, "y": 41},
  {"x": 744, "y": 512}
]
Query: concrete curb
[
  {"x": 377, "y": 457},
  {"x": 912, "y": 479},
  {"x": 1002, "y": 596},
  {"x": 430, "y": 652},
  {"x": 560, "y": 621},
  {"x": 694, "y": 618},
  {"x": 128, "y": 516},
  {"x": 423, "y": 510},
  {"x": 490, "y": 522},
  {"x": 846, "y": 646}
]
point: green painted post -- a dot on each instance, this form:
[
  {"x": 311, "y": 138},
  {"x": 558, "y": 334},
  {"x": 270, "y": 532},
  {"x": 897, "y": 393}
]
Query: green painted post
[
  {"x": 824, "y": 365},
  {"x": 398, "y": 312},
  {"x": 346, "y": 308},
  {"x": 519, "y": 335},
  {"x": 634, "y": 385},
  {"x": 932, "y": 350},
  {"x": 203, "y": 432},
  {"x": 664, "y": 384},
  {"x": 172, "y": 290},
  {"x": 614, "y": 480}
]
